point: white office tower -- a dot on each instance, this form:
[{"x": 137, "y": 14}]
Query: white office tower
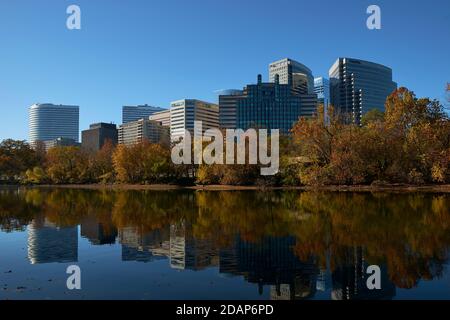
[
  {"x": 183, "y": 114},
  {"x": 49, "y": 122}
]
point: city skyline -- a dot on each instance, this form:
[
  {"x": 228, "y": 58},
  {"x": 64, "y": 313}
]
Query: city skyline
[{"x": 102, "y": 68}]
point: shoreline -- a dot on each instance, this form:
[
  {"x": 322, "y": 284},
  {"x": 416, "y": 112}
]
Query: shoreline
[{"x": 169, "y": 187}]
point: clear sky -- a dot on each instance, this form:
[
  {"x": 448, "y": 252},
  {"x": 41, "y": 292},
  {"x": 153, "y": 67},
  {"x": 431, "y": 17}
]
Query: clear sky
[{"x": 157, "y": 51}]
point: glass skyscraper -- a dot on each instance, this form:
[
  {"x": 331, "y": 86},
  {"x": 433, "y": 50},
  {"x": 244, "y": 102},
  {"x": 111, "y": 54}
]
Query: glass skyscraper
[
  {"x": 291, "y": 72},
  {"x": 227, "y": 107},
  {"x": 272, "y": 106},
  {"x": 134, "y": 113},
  {"x": 322, "y": 89},
  {"x": 358, "y": 86},
  {"x": 49, "y": 122}
]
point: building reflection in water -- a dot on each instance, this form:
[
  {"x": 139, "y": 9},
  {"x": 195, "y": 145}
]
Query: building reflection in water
[
  {"x": 48, "y": 243},
  {"x": 350, "y": 279},
  {"x": 174, "y": 242},
  {"x": 145, "y": 247},
  {"x": 188, "y": 252},
  {"x": 98, "y": 233},
  {"x": 271, "y": 262}
]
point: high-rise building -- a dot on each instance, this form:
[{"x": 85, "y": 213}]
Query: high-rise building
[
  {"x": 358, "y": 86},
  {"x": 134, "y": 113},
  {"x": 293, "y": 73},
  {"x": 322, "y": 89},
  {"x": 48, "y": 122},
  {"x": 272, "y": 106},
  {"x": 95, "y": 137},
  {"x": 227, "y": 107},
  {"x": 162, "y": 117},
  {"x": 137, "y": 131},
  {"x": 184, "y": 112}
]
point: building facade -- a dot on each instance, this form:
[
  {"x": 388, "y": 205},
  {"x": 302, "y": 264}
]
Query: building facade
[
  {"x": 322, "y": 90},
  {"x": 183, "y": 114},
  {"x": 162, "y": 117},
  {"x": 358, "y": 86},
  {"x": 293, "y": 73},
  {"x": 95, "y": 137},
  {"x": 272, "y": 106},
  {"x": 138, "y": 131},
  {"x": 227, "y": 107},
  {"x": 48, "y": 122},
  {"x": 60, "y": 142},
  {"x": 134, "y": 113}
]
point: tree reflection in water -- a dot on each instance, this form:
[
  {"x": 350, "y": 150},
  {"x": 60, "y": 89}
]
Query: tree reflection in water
[{"x": 296, "y": 242}]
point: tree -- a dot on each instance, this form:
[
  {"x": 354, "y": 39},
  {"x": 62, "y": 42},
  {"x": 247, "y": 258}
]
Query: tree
[
  {"x": 15, "y": 158},
  {"x": 67, "y": 165},
  {"x": 142, "y": 163},
  {"x": 101, "y": 163},
  {"x": 374, "y": 115}
]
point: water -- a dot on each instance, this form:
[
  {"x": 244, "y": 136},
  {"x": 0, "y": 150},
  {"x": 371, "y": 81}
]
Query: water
[{"x": 223, "y": 245}]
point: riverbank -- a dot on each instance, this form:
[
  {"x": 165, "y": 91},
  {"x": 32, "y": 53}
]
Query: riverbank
[{"x": 168, "y": 187}]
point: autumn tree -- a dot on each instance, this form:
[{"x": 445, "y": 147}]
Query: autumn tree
[
  {"x": 101, "y": 163},
  {"x": 15, "y": 158},
  {"x": 67, "y": 165},
  {"x": 143, "y": 162}
]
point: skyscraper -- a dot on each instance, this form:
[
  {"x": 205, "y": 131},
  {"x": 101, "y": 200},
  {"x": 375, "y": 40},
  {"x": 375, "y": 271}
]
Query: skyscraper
[
  {"x": 49, "y": 122},
  {"x": 268, "y": 105},
  {"x": 227, "y": 107},
  {"x": 322, "y": 89},
  {"x": 358, "y": 86},
  {"x": 183, "y": 114},
  {"x": 293, "y": 73},
  {"x": 134, "y": 113}
]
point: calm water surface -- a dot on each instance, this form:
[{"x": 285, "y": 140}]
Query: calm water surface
[{"x": 223, "y": 245}]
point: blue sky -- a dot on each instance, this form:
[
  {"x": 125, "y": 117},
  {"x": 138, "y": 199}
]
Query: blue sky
[{"x": 158, "y": 51}]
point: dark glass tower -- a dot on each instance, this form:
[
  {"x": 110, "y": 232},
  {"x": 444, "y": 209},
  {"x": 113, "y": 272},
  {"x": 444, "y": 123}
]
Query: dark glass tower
[
  {"x": 358, "y": 86},
  {"x": 272, "y": 106}
]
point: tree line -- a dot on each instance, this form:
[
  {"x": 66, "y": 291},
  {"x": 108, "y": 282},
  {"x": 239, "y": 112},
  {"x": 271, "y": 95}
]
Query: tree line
[{"x": 408, "y": 143}]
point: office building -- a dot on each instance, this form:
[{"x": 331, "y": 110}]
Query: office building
[
  {"x": 95, "y": 137},
  {"x": 134, "y": 113},
  {"x": 293, "y": 73},
  {"x": 227, "y": 107},
  {"x": 358, "y": 86},
  {"x": 184, "y": 112},
  {"x": 137, "y": 131},
  {"x": 322, "y": 90},
  {"x": 60, "y": 142},
  {"x": 48, "y": 122},
  {"x": 163, "y": 117},
  {"x": 272, "y": 106}
]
